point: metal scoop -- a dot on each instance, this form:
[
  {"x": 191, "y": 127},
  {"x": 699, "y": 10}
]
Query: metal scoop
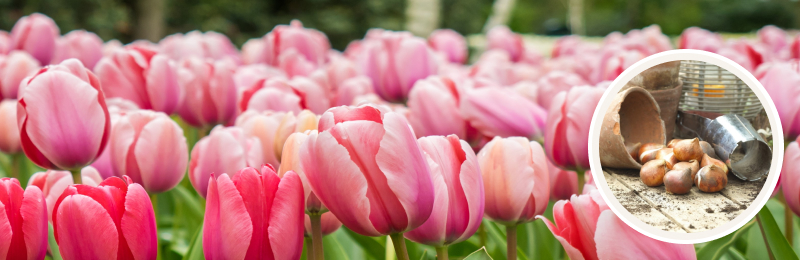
[{"x": 735, "y": 142}]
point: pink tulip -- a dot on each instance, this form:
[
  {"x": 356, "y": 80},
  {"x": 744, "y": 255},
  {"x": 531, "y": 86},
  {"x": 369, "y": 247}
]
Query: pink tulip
[
  {"x": 62, "y": 116},
  {"x": 312, "y": 45},
  {"x": 352, "y": 88},
  {"x": 36, "y": 34},
  {"x": 553, "y": 83},
  {"x": 502, "y": 38},
  {"x": 248, "y": 75},
  {"x": 209, "y": 93},
  {"x": 196, "y": 44},
  {"x": 494, "y": 68},
  {"x": 117, "y": 107},
  {"x": 252, "y": 51},
  {"x": 563, "y": 183},
  {"x": 433, "y": 106},
  {"x": 254, "y": 215},
  {"x": 339, "y": 70},
  {"x": 111, "y": 46},
  {"x": 497, "y": 111},
  {"x": 13, "y": 68},
  {"x": 295, "y": 64},
  {"x": 451, "y": 43},
  {"x": 700, "y": 39},
  {"x": 567, "y": 133},
  {"x": 459, "y": 201},
  {"x": 23, "y": 221},
  {"x": 773, "y": 37},
  {"x": 790, "y": 176},
  {"x": 754, "y": 53},
  {"x": 782, "y": 82},
  {"x": 140, "y": 75},
  {"x": 149, "y": 148},
  {"x": 272, "y": 129},
  {"x": 9, "y": 133},
  {"x": 279, "y": 94},
  {"x": 114, "y": 220},
  {"x": 516, "y": 179},
  {"x": 613, "y": 61},
  {"x": 53, "y": 183},
  {"x": 5, "y": 42},
  {"x": 80, "y": 44},
  {"x": 224, "y": 150},
  {"x": 588, "y": 229},
  {"x": 367, "y": 168},
  {"x": 588, "y": 184}
]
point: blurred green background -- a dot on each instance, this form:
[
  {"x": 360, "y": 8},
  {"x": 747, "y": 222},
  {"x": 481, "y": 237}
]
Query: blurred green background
[{"x": 346, "y": 20}]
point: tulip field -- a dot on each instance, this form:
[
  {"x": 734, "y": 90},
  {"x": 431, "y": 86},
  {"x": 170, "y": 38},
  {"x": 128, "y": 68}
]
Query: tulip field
[{"x": 397, "y": 147}]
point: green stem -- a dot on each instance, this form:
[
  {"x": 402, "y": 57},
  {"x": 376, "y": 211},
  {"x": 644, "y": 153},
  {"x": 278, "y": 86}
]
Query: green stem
[
  {"x": 316, "y": 235},
  {"x": 788, "y": 218},
  {"x": 511, "y": 241},
  {"x": 16, "y": 166},
  {"x": 482, "y": 234},
  {"x": 441, "y": 253},
  {"x": 154, "y": 200},
  {"x": 76, "y": 176},
  {"x": 764, "y": 235},
  {"x": 309, "y": 248},
  {"x": 399, "y": 243},
  {"x": 581, "y": 180}
]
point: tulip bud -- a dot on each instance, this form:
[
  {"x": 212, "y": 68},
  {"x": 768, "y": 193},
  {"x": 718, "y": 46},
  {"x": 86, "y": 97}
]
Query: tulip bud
[
  {"x": 449, "y": 42},
  {"x": 433, "y": 108},
  {"x": 496, "y": 111},
  {"x": 224, "y": 150},
  {"x": 567, "y": 132},
  {"x": 53, "y": 183},
  {"x": 23, "y": 221},
  {"x": 79, "y": 44},
  {"x": 142, "y": 76},
  {"x": 36, "y": 34},
  {"x": 789, "y": 181},
  {"x": 279, "y": 94},
  {"x": 212, "y": 45},
  {"x": 209, "y": 92},
  {"x": 563, "y": 183},
  {"x": 13, "y": 68},
  {"x": 9, "y": 133},
  {"x": 501, "y": 37}
]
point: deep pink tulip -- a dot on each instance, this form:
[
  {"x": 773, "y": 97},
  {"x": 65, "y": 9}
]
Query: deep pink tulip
[
  {"x": 501, "y": 37},
  {"x": 114, "y": 220},
  {"x": 497, "y": 111},
  {"x": 209, "y": 92},
  {"x": 583, "y": 216},
  {"x": 224, "y": 150},
  {"x": 567, "y": 132},
  {"x": 80, "y": 44},
  {"x": 367, "y": 168},
  {"x": 459, "y": 196},
  {"x": 433, "y": 106},
  {"x": 553, "y": 83},
  {"x": 197, "y": 44},
  {"x": 280, "y": 94},
  {"x": 563, "y": 183},
  {"x": 117, "y": 107},
  {"x": 254, "y": 215},
  {"x": 515, "y": 178},
  {"x": 23, "y": 221},
  {"x": 140, "y": 75},
  {"x": 700, "y": 39},
  {"x": 273, "y": 129},
  {"x": 36, "y": 34},
  {"x": 62, "y": 116},
  {"x": 149, "y": 148},
  {"x": 790, "y": 176},
  {"x": 782, "y": 82},
  {"x": 14, "y": 67},
  {"x": 9, "y": 133},
  {"x": 312, "y": 45},
  {"x": 451, "y": 43},
  {"x": 53, "y": 183}
]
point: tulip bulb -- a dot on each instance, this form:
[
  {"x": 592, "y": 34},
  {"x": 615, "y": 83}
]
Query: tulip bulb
[
  {"x": 678, "y": 181},
  {"x": 707, "y": 160},
  {"x": 672, "y": 143},
  {"x": 649, "y": 146},
  {"x": 692, "y": 165},
  {"x": 647, "y": 156},
  {"x": 688, "y": 149},
  {"x": 633, "y": 150},
  {"x": 711, "y": 178},
  {"x": 652, "y": 173},
  {"x": 667, "y": 155},
  {"x": 708, "y": 149}
]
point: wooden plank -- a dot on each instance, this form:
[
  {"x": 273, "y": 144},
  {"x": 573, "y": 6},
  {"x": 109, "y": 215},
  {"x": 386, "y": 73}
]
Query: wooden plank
[{"x": 640, "y": 208}]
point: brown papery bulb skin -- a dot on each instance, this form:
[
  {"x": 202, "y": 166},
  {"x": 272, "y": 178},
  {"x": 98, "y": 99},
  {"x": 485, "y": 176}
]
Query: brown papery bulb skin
[
  {"x": 707, "y": 160},
  {"x": 652, "y": 172},
  {"x": 633, "y": 150},
  {"x": 649, "y": 146},
  {"x": 711, "y": 179},
  {"x": 688, "y": 149},
  {"x": 708, "y": 149},
  {"x": 692, "y": 165},
  {"x": 667, "y": 155},
  {"x": 672, "y": 143},
  {"x": 678, "y": 181},
  {"x": 648, "y": 155}
]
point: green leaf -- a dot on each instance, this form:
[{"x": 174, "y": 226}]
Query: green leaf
[
  {"x": 339, "y": 245},
  {"x": 51, "y": 241},
  {"x": 196, "y": 249},
  {"x": 481, "y": 254},
  {"x": 735, "y": 254},
  {"x": 370, "y": 245},
  {"x": 776, "y": 242},
  {"x": 717, "y": 248},
  {"x": 424, "y": 254}
]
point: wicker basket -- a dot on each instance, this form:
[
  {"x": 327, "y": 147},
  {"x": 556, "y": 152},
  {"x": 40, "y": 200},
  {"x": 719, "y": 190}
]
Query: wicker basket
[{"x": 712, "y": 89}]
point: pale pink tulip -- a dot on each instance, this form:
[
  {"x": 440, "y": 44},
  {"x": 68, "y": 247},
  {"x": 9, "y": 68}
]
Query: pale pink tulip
[
  {"x": 502, "y": 38},
  {"x": 352, "y": 88},
  {"x": 272, "y": 129},
  {"x": 774, "y": 38},
  {"x": 5, "y": 42},
  {"x": 140, "y": 75},
  {"x": 613, "y": 61},
  {"x": 14, "y": 67},
  {"x": 451, "y": 43},
  {"x": 515, "y": 179},
  {"x": 366, "y": 167},
  {"x": 755, "y": 53},
  {"x": 790, "y": 176},
  {"x": 563, "y": 183},
  {"x": 433, "y": 106},
  {"x": 111, "y": 46},
  {"x": 567, "y": 133},
  {"x": 459, "y": 196},
  {"x": 279, "y": 94},
  {"x": 114, "y": 220},
  {"x": 62, "y": 116},
  {"x": 117, "y": 107},
  {"x": 782, "y": 82},
  {"x": 197, "y": 44},
  {"x": 9, "y": 133},
  {"x": 312, "y": 45},
  {"x": 36, "y": 34},
  {"x": 247, "y": 75},
  {"x": 149, "y": 148},
  {"x": 80, "y": 44},
  {"x": 700, "y": 39},
  {"x": 553, "y": 83},
  {"x": 494, "y": 68},
  {"x": 497, "y": 111},
  {"x": 295, "y": 64},
  {"x": 253, "y": 215},
  {"x": 53, "y": 183},
  {"x": 339, "y": 70},
  {"x": 209, "y": 92},
  {"x": 23, "y": 221},
  {"x": 224, "y": 150},
  {"x": 252, "y": 51}
]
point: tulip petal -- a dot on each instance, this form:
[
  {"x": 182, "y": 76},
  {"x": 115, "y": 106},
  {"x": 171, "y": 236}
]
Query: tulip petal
[
  {"x": 162, "y": 84},
  {"x": 257, "y": 192},
  {"x": 161, "y": 154},
  {"x": 508, "y": 180},
  {"x": 115, "y": 83},
  {"x": 139, "y": 224},
  {"x": 472, "y": 187},
  {"x": 34, "y": 222},
  {"x": 5, "y": 231},
  {"x": 790, "y": 177},
  {"x": 566, "y": 232},
  {"x": 434, "y": 230},
  {"x": 286, "y": 218},
  {"x": 617, "y": 240},
  {"x": 541, "y": 178},
  {"x": 85, "y": 229},
  {"x": 227, "y": 229}
]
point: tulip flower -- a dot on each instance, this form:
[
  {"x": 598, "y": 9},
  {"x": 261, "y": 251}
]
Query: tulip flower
[
  {"x": 9, "y": 133},
  {"x": 196, "y": 44},
  {"x": 142, "y": 76},
  {"x": 53, "y": 183},
  {"x": 13, "y": 68},
  {"x": 553, "y": 83},
  {"x": 433, "y": 108},
  {"x": 339, "y": 70},
  {"x": 280, "y": 94},
  {"x": 583, "y": 216},
  {"x": 352, "y": 88},
  {"x": 782, "y": 82},
  {"x": 254, "y": 215},
  {"x": 248, "y": 75},
  {"x": 224, "y": 150},
  {"x": 80, "y": 44},
  {"x": 149, "y": 148},
  {"x": 502, "y": 38},
  {"x": 209, "y": 93},
  {"x": 700, "y": 39},
  {"x": 366, "y": 167},
  {"x": 114, "y": 220},
  {"x": 5, "y": 42},
  {"x": 567, "y": 132},
  {"x": 497, "y": 111},
  {"x": 774, "y": 38},
  {"x": 273, "y": 129},
  {"x": 563, "y": 183},
  {"x": 613, "y": 61},
  {"x": 252, "y": 51},
  {"x": 117, "y": 107},
  {"x": 69, "y": 96},
  {"x": 790, "y": 177},
  {"x": 36, "y": 34},
  {"x": 310, "y": 44},
  {"x": 23, "y": 221},
  {"x": 450, "y": 43},
  {"x": 459, "y": 196}
]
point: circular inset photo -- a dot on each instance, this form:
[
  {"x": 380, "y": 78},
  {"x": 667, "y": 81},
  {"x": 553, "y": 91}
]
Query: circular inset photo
[{"x": 686, "y": 146}]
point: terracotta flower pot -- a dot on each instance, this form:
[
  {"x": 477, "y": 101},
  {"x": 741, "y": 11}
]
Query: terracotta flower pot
[
  {"x": 668, "y": 100},
  {"x": 633, "y": 117}
]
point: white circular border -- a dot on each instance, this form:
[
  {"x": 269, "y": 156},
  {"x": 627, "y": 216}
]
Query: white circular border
[{"x": 724, "y": 229}]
